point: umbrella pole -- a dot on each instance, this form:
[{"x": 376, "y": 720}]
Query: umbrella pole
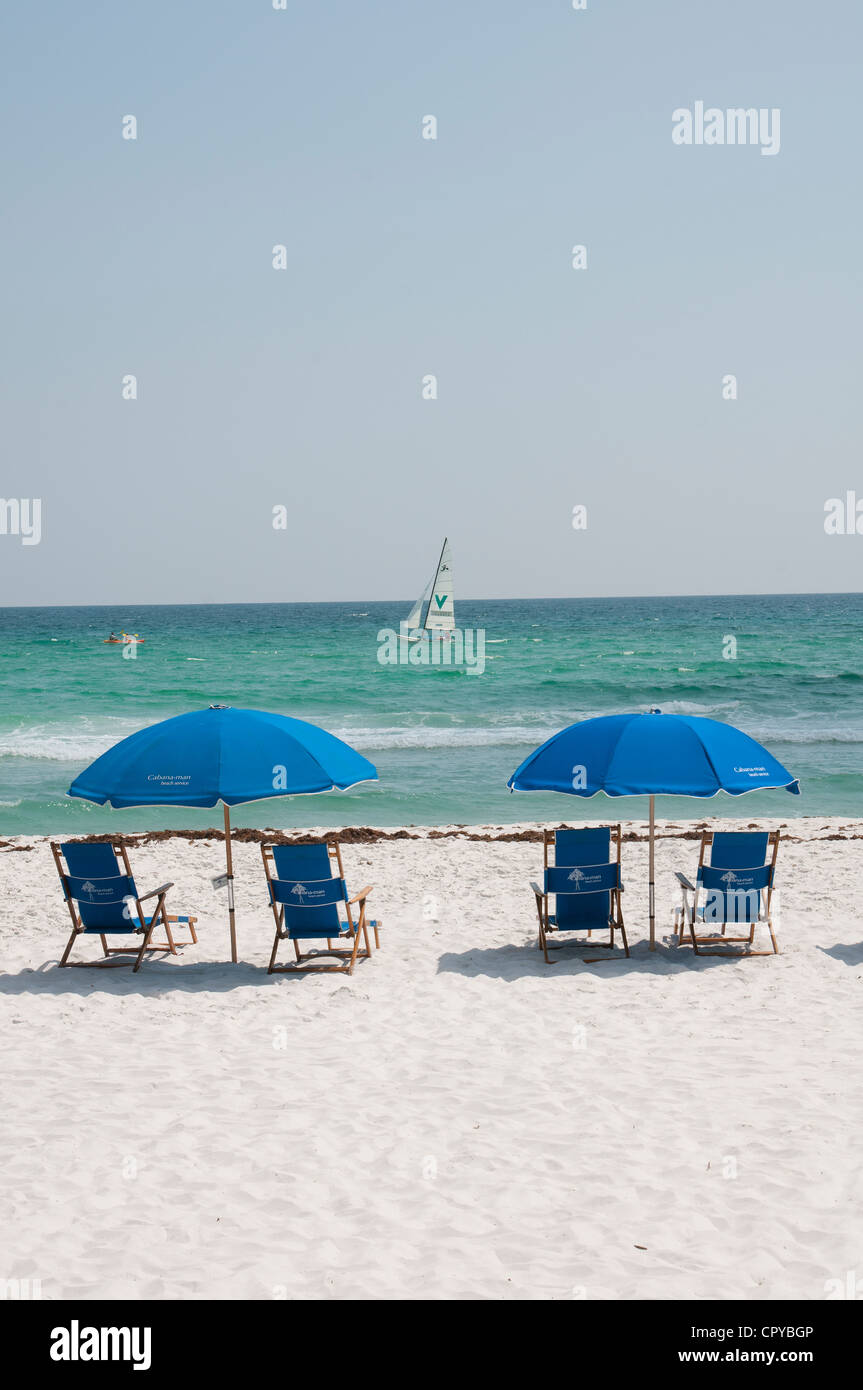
[
  {"x": 650, "y": 872},
  {"x": 230, "y": 865}
]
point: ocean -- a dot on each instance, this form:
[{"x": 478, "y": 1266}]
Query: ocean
[{"x": 788, "y": 670}]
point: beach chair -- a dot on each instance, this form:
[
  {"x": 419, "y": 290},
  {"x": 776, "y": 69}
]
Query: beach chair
[
  {"x": 311, "y": 903},
  {"x": 103, "y": 901},
  {"x": 584, "y": 880},
  {"x": 737, "y": 884}
]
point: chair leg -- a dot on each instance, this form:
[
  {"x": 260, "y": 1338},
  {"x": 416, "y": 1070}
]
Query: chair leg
[
  {"x": 172, "y": 940},
  {"x": 144, "y": 944},
  {"x": 678, "y": 925},
  {"x": 358, "y": 947},
  {"x": 544, "y": 944},
  {"x": 353, "y": 959},
  {"x": 541, "y": 943},
  {"x": 64, "y": 959},
  {"x": 724, "y": 941},
  {"x": 692, "y": 934}
]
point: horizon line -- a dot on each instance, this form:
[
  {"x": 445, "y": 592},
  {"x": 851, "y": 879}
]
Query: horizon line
[{"x": 547, "y": 598}]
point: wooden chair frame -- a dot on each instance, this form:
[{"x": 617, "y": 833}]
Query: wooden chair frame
[
  {"x": 160, "y": 914},
  {"x": 353, "y": 930},
  {"x": 547, "y": 928},
  {"x": 689, "y": 910}
]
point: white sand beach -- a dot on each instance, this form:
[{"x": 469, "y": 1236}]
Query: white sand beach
[{"x": 455, "y": 1120}]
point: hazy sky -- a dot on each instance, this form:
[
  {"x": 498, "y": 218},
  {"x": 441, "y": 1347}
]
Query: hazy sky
[{"x": 405, "y": 257}]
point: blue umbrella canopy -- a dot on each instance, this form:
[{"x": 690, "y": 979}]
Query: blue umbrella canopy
[
  {"x": 649, "y": 755},
  {"x": 221, "y": 755}
]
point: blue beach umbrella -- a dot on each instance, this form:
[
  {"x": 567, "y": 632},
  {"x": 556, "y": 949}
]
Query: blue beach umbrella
[
  {"x": 221, "y": 755},
  {"x": 649, "y": 755}
]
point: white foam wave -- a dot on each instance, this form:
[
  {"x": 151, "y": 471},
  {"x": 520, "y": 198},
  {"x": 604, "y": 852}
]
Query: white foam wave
[
  {"x": 78, "y": 742},
  {"x": 778, "y": 733},
  {"x": 81, "y": 741},
  {"x": 531, "y": 735},
  {"x": 699, "y": 710},
  {"x": 424, "y": 736}
]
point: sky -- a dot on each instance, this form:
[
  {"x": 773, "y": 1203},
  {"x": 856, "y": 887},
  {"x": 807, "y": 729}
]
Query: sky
[{"x": 302, "y": 388}]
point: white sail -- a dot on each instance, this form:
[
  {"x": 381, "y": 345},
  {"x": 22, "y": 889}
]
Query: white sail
[
  {"x": 414, "y": 618},
  {"x": 441, "y": 609}
]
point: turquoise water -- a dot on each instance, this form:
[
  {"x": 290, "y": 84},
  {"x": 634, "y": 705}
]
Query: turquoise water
[{"x": 444, "y": 742}]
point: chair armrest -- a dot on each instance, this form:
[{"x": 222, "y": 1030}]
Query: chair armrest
[
  {"x": 684, "y": 882},
  {"x": 156, "y": 892},
  {"x": 537, "y": 890},
  {"x": 363, "y": 893}
]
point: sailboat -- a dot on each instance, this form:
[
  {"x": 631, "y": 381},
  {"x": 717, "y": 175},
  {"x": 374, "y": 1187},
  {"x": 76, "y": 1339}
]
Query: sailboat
[{"x": 434, "y": 610}]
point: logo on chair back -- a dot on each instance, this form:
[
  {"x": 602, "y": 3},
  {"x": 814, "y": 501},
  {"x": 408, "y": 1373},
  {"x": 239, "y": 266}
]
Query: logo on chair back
[
  {"x": 745, "y": 879},
  {"x": 582, "y": 881},
  {"x": 740, "y": 882},
  {"x": 301, "y": 892},
  {"x": 94, "y": 893}
]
